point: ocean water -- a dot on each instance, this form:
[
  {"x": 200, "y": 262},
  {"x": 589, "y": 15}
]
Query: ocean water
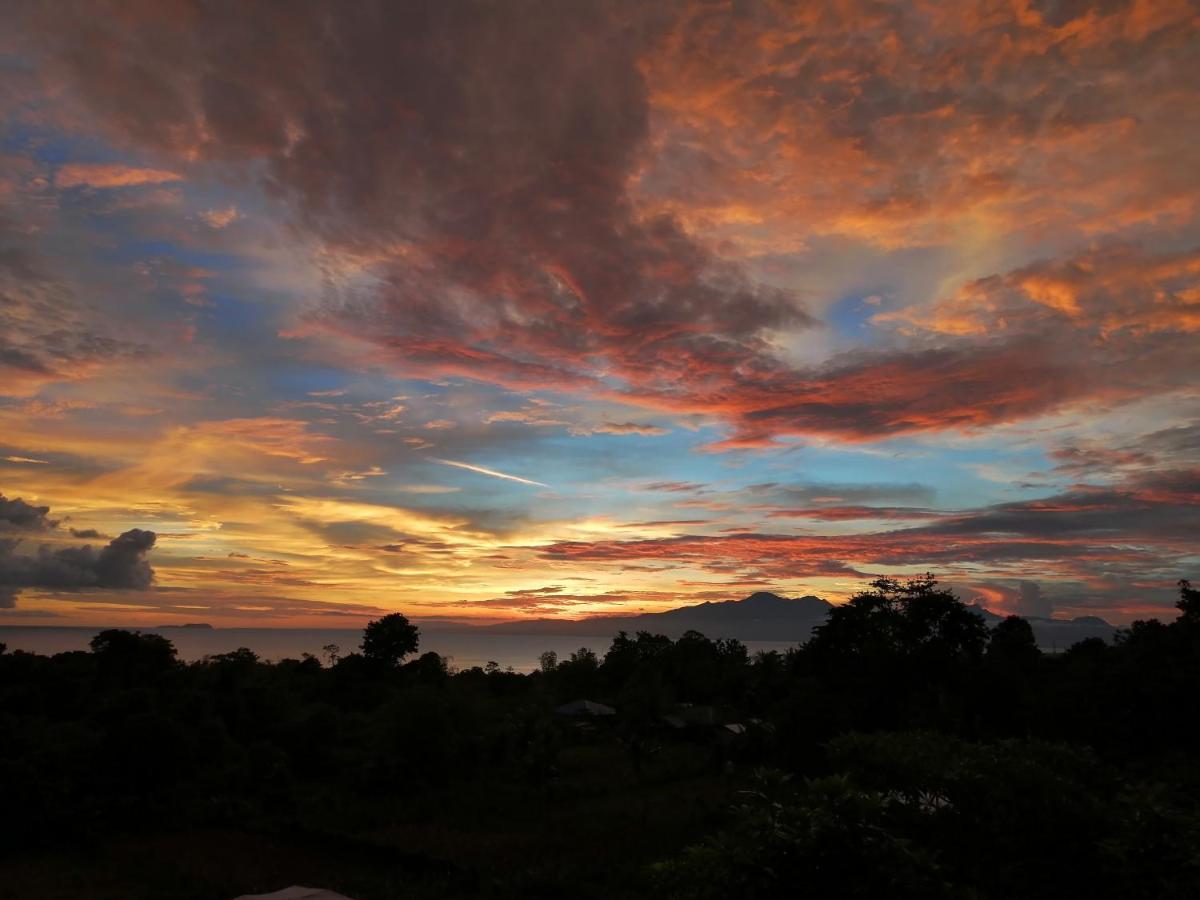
[{"x": 464, "y": 649}]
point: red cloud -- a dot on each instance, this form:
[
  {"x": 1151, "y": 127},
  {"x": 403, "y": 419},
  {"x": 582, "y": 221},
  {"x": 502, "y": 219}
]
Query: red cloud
[
  {"x": 1088, "y": 534},
  {"x": 561, "y": 202}
]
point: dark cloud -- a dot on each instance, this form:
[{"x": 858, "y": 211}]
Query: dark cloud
[
  {"x": 793, "y": 494},
  {"x": 676, "y": 487},
  {"x": 121, "y": 565},
  {"x": 18, "y": 515},
  {"x": 1169, "y": 447},
  {"x": 850, "y": 513},
  {"x": 1032, "y": 601},
  {"x": 489, "y": 189},
  {"x": 44, "y": 336},
  {"x": 476, "y": 159},
  {"x": 1161, "y": 505},
  {"x": 352, "y": 533},
  {"x": 1140, "y": 531}
]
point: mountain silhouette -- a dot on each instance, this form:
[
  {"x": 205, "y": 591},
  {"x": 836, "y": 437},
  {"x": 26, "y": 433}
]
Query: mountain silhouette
[
  {"x": 764, "y": 616},
  {"x": 1057, "y": 634}
]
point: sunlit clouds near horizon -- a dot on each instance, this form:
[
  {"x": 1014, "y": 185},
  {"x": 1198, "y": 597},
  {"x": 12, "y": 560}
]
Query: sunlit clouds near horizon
[{"x": 481, "y": 311}]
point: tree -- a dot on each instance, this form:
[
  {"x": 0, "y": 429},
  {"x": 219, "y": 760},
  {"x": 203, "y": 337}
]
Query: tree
[
  {"x": 1013, "y": 640},
  {"x": 912, "y": 618},
  {"x": 132, "y": 655},
  {"x": 576, "y": 676},
  {"x": 1189, "y": 602},
  {"x": 548, "y": 661},
  {"x": 585, "y": 656},
  {"x": 332, "y": 653},
  {"x": 242, "y": 656},
  {"x": 388, "y": 640},
  {"x": 429, "y": 668}
]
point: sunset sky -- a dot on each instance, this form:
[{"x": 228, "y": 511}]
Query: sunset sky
[{"x": 500, "y": 309}]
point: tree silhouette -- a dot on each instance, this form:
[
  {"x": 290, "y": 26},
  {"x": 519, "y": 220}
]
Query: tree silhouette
[
  {"x": 1013, "y": 641},
  {"x": 911, "y": 618},
  {"x": 927, "y": 757},
  {"x": 1188, "y": 603},
  {"x": 388, "y": 640},
  {"x": 131, "y": 655},
  {"x": 332, "y": 653}
]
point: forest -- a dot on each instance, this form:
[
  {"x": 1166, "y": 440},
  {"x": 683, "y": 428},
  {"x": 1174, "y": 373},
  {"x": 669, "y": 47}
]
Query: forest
[{"x": 904, "y": 750}]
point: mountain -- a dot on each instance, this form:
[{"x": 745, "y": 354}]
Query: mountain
[
  {"x": 1057, "y": 634},
  {"x": 762, "y": 616}
]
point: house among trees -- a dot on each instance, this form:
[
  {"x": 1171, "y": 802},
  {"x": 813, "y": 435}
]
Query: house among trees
[
  {"x": 584, "y": 709},
  {"x": 295, "y": 892}
]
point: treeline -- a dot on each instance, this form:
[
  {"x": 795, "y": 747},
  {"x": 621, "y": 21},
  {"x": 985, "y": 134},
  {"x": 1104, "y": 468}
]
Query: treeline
[{"x": 904, "y": 750}]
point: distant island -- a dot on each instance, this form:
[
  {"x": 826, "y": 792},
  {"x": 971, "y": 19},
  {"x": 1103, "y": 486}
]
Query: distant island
[
  {"x": 764, "y": 616},
  {"x": 202, "y": 626}
]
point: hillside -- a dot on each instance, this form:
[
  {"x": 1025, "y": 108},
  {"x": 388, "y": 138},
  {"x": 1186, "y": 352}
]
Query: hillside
[{"x": 764, "y": 616}]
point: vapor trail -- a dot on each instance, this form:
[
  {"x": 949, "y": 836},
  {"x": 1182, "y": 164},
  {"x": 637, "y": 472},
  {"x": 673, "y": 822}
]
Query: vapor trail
[{"x": 482, "y": 471}]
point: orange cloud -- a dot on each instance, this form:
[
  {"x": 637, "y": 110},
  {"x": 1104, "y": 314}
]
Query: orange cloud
[
  {"x": 1108, "y": 293},
  {"x": 611, "y": 261},
  {"x": 109, "y": 175},
  {"x": 903, "y": 124}
]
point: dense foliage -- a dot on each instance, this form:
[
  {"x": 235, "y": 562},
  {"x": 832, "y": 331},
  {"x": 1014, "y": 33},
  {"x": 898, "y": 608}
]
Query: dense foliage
[{"x": 905, "y": 750}]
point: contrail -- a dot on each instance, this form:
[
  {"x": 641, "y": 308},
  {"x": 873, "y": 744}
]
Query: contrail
[{"x": 482, "y": 471}]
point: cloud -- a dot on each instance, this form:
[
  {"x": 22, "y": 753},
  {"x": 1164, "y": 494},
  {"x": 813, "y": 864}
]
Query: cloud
[
  {"x": 553, "y": 599},
  {"x": 1103, "y": 537},
  {"x": 222, "y": 218},
  {"x": 546, "y": 415},
  {"x": 641, "y": 208},
  {"x": 850, "y": 513},
  {"x": 1033, "y": 602},
  {"x": 793, "y": 495},
  {"x": 268, "y": 435},
  {"x": 44, "y": 335},
  {"x": 121, "y": 565},
  {"x": 1167, "y": 447},
  {"x": 1070, "y": 118},
  {"x": 348, "y": 478},
  {"x": 675, "y": 487},
  {"x": 105, "y": 175},
  {"x": 18, "y": 515},
  {"x": 579, "y": 227},
  {"x": 515, "y": 180},
  {"x": 1162, "y": 505},
  {"x": 629, "y": 428},
  {"x": 1115, "y": 291}
]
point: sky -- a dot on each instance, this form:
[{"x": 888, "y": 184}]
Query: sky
[{"x": 487, "y": 310}]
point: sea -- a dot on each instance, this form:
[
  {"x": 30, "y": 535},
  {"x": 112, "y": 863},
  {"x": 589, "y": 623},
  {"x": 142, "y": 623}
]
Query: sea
[{"x": 463, "y": 649}]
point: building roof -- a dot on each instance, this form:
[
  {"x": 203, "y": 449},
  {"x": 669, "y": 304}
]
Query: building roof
[
  {"x": 296, "y": 892},
  {"x": 585, "y": 708}
]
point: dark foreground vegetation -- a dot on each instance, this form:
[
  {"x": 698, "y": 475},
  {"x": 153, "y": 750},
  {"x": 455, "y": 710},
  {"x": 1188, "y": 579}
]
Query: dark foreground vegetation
[{"x": 904, "y": 751}]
